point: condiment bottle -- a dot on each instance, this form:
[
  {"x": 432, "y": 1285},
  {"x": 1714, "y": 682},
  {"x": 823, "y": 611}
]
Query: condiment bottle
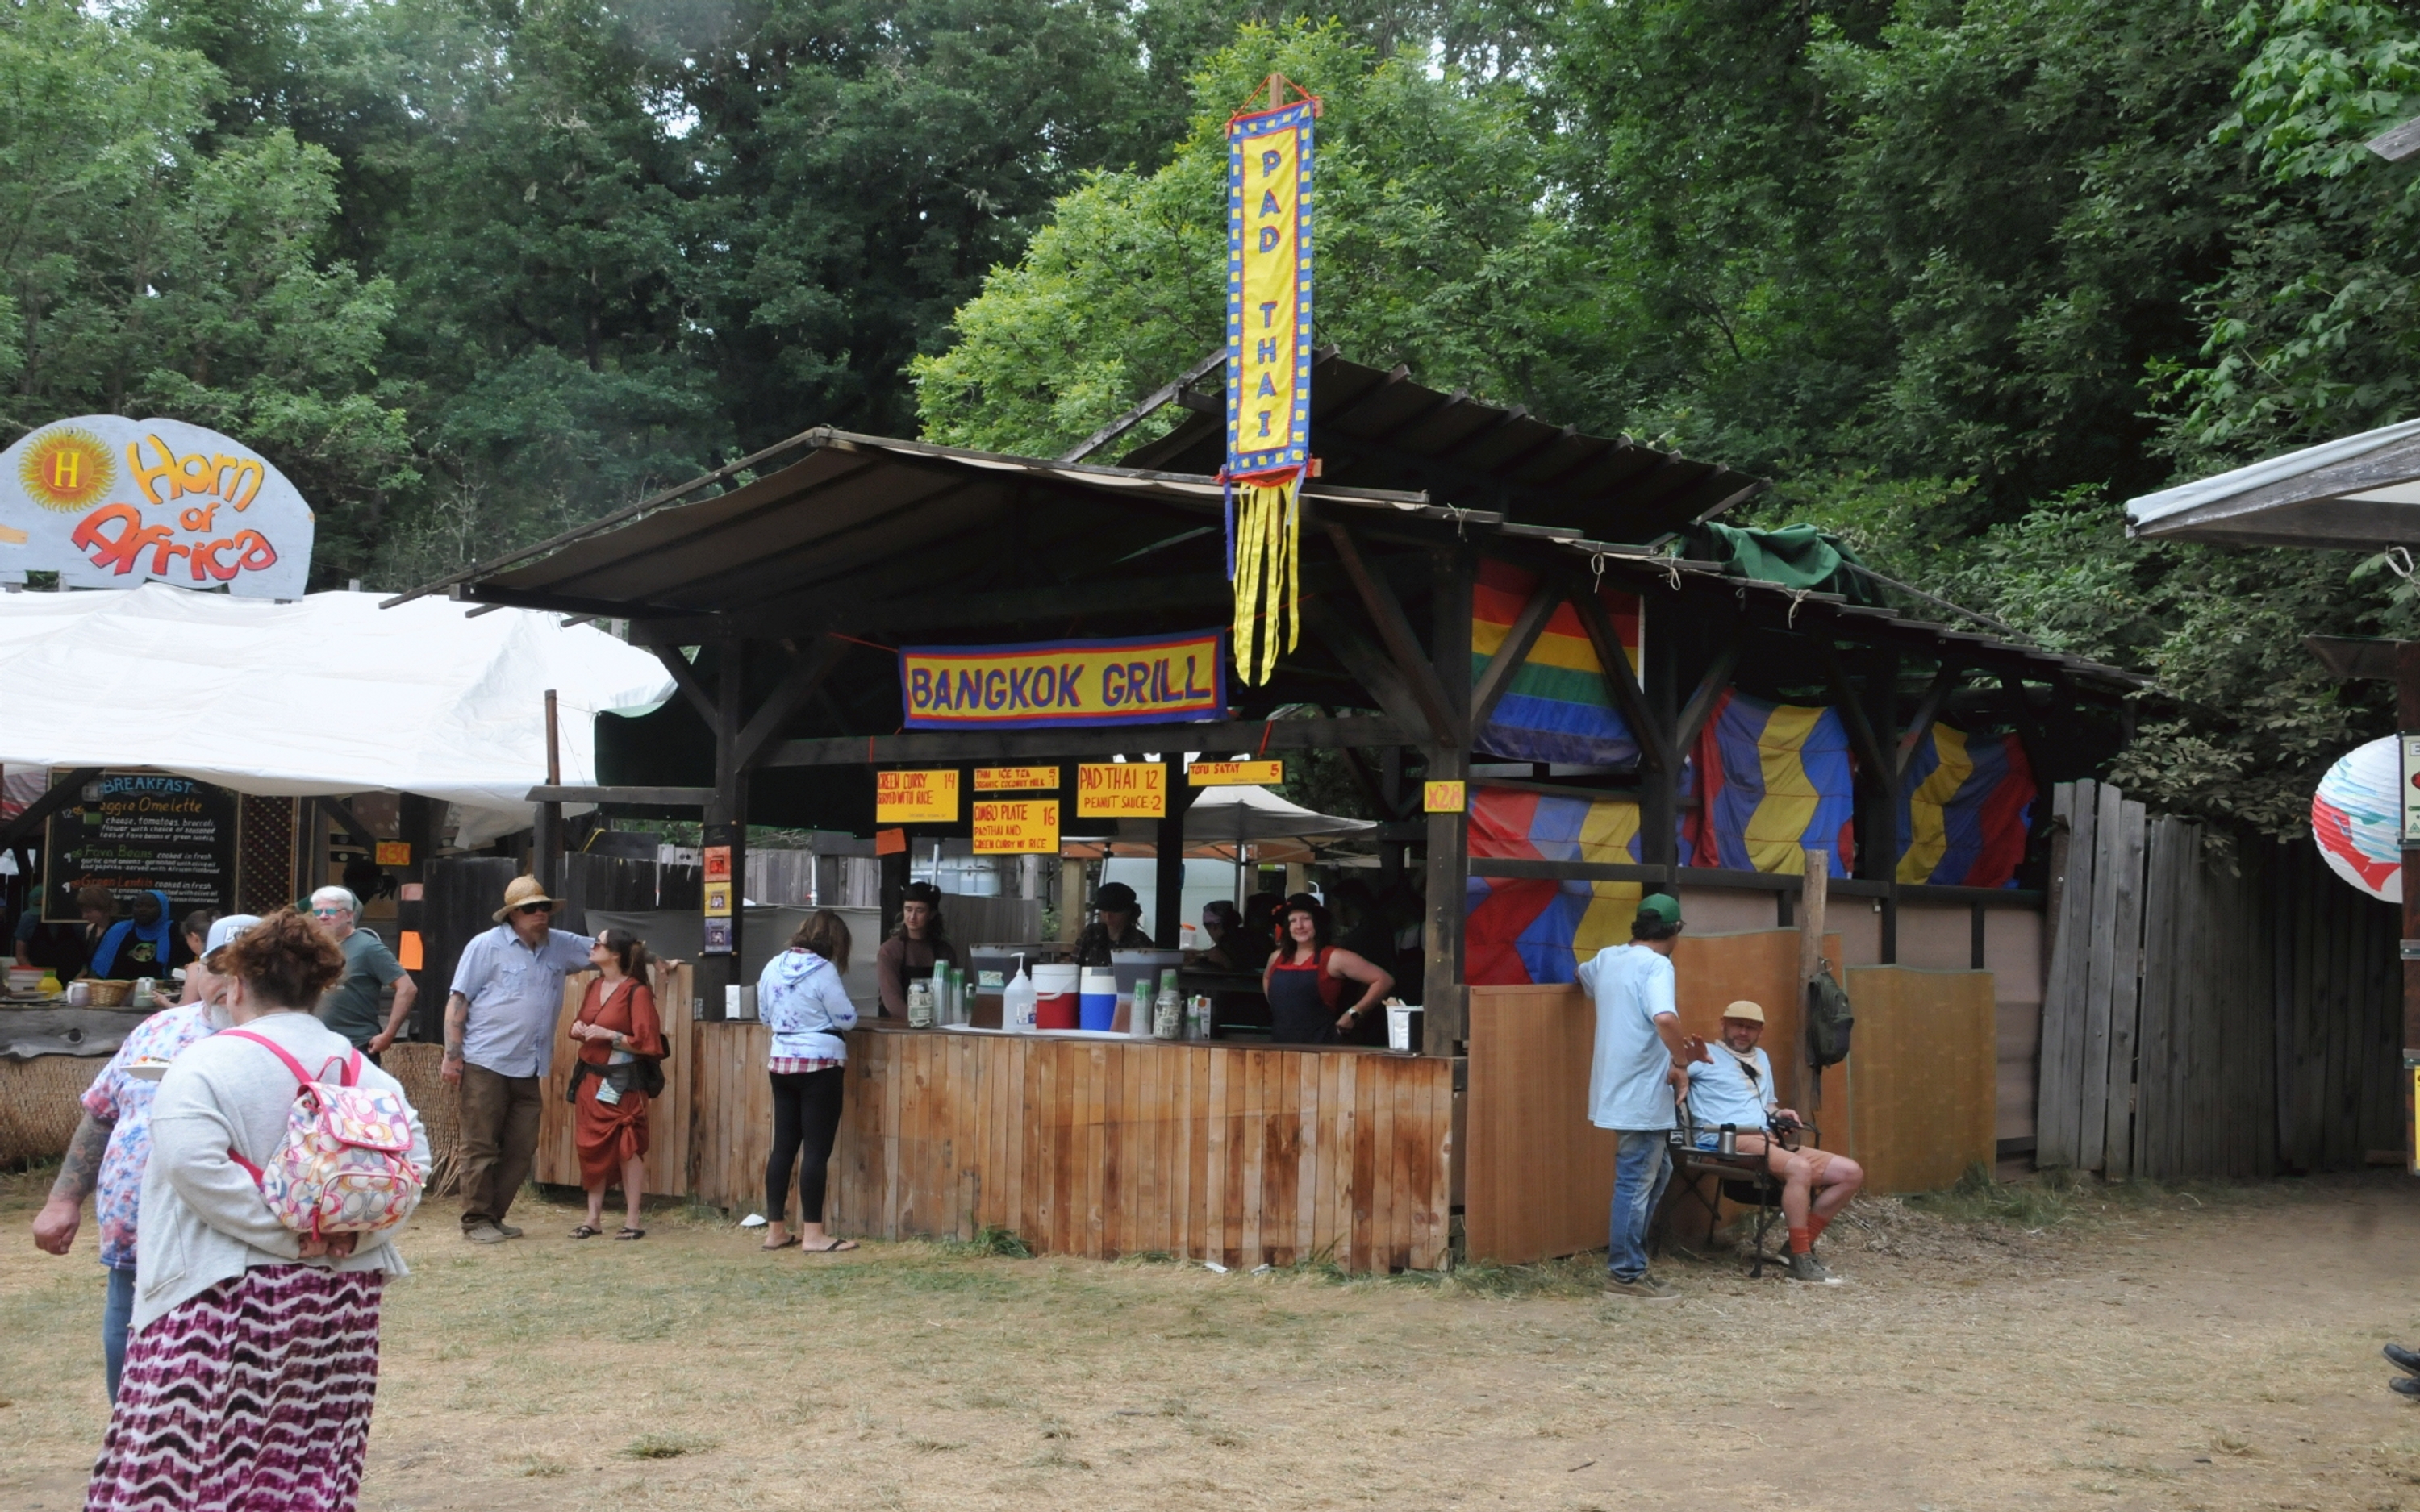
[
  {"x": 919, "y": 1004},
  {"x": 1016, "y": 1002},
  {"x": 1168, "y": 1011}
]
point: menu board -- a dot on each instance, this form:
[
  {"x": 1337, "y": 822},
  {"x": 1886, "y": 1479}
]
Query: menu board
[{"x": 142, "y": 830}]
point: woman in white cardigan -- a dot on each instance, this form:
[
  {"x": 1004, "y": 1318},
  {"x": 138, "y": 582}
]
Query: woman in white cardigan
[
  {"x": 799, "y": 997},
  {"x": 252, "y": 1359}
]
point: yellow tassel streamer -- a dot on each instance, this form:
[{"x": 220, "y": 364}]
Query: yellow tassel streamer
[{"x": 1268, "y": 575}]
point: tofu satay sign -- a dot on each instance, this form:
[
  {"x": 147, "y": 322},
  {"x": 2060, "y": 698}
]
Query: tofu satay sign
[{"x": 106, "y": 501}]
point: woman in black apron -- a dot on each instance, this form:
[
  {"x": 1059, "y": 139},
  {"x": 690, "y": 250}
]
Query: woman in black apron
[{"x": 1306, "y": 979}]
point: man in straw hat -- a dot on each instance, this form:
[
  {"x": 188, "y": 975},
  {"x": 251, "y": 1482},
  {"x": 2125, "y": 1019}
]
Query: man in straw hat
[
  {"x": 1640, "y": 1067},
  {"x": 499, "y": 1042},
  {"x": 1735, "y": 1088}
]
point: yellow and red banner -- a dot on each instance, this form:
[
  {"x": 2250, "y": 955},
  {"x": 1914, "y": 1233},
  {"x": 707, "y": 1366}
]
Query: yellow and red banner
[
  {"x": 1269, "y": 157},
  {"x": 1156, "y": 680}
]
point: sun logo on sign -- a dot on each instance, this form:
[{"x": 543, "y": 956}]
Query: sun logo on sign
[{"x": 66, "y": 469}]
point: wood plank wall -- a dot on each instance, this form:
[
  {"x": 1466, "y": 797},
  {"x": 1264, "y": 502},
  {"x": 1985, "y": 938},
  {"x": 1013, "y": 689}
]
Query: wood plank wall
[
  {"x": 669, "y": 1117},
  {"x": 1245, "y": 1156},
  {"x": 2213, "y": 1010},
  {"x": 1917, "y": 1097}
]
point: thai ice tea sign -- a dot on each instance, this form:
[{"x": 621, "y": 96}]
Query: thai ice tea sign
[
  {"x": 106, "y": 501},
  {"x": 1158, "y": 680}
]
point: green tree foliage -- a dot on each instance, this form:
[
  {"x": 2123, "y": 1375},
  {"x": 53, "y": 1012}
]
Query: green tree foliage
[{"x": 142, "y": 273}]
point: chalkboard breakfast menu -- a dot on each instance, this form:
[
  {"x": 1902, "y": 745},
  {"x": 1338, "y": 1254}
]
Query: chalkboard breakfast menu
[{"x": 139, "y": 831}]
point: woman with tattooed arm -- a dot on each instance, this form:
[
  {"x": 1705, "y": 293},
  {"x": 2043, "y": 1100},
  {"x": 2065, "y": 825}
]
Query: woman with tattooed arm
[{"x": 113, "y": 1140}]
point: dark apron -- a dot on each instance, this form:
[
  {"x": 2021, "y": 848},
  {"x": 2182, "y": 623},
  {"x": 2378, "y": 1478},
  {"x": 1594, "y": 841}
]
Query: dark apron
[{"x": 1299, "y": 1011}]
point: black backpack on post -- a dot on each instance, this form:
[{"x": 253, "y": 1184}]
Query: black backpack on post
[{"x": 1829, "y": 1019}]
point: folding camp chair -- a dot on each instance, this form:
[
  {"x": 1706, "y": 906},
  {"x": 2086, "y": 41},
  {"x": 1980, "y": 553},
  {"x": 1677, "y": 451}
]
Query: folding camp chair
[{"x": 1708, "y": 1176}]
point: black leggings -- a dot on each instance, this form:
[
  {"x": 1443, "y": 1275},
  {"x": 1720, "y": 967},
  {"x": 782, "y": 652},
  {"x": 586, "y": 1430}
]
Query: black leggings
[{"x": 806, "y": 1110}]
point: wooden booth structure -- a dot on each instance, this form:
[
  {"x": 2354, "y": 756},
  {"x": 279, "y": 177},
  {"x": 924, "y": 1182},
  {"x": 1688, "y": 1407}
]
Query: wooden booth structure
[{"x": 1455, "y": 559}]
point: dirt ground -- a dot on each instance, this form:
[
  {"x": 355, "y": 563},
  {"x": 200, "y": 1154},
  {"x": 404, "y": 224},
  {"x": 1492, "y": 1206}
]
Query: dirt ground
[{"x": 2207, "y": 1349}]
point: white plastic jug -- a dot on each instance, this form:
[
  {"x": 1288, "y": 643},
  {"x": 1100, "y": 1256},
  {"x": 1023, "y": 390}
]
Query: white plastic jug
[{"x": 1016, "y": 1002}]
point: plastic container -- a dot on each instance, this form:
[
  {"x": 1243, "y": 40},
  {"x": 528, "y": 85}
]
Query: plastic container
[
  {"x": 1016, "y": 1002},
  {"x": 1056, "y": 1002},
  {"x": 1097, "y": 1001},
  {"x": 1132, "y": 966},
  {"x": 1399, "y": 1027},
  {"x": 1168, "y": 1011}
]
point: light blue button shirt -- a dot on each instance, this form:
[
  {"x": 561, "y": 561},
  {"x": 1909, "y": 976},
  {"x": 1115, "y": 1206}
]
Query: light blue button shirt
[
  {"x": 1719, "y": 1092},
  {"x": 515, "y": 994},
  {"x": 1632, "y": 986}
]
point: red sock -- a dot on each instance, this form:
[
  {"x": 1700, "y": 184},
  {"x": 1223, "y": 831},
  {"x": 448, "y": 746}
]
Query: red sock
[
  {"x": 1816, "y": 1224},
  {"x": 1800, "y": 1241}
]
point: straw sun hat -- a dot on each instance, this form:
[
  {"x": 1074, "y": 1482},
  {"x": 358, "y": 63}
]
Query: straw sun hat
[{"x": 522, "y": 890}]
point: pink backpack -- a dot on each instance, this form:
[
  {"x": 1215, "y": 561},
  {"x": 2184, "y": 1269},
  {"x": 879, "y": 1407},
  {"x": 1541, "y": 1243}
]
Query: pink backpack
[{"x": 345, "y": 1164}]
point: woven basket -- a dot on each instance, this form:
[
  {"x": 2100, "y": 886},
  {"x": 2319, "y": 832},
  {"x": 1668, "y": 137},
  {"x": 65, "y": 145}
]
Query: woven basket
[{"x": 109, "y": 993}]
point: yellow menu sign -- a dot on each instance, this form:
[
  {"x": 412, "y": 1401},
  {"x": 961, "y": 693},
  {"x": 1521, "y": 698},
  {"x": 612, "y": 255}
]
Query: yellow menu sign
[
  {"x": 1017, "y": 827},
  {"x": 1121, "y": 790},
  {"x": 1443, "y": 797},
  {"x": 1234, "y": 773},
  {"x": 1017, "y": 778},
  {"x": 929, "y": 797}
]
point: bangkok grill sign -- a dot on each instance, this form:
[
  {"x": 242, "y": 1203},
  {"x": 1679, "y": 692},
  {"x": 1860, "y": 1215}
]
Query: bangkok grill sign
[{"x": 1155, "y": 680}]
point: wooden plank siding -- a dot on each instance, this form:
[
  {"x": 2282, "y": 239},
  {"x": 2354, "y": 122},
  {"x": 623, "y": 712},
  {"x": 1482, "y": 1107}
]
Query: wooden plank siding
[
  {"x": 1240, "y": 1155},
  {"x": 668, "y": 1119}
]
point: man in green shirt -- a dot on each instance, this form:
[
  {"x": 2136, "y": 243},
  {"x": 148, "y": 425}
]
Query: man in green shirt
[{"x": 351, "y": 1007}]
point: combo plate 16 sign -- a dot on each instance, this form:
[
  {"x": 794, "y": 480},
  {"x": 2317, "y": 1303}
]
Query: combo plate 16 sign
[{"x": 106, "y": 501}]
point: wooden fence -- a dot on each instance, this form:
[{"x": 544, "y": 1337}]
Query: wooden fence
[
  {"x": 1094, "y": 1147},
  {"x": 2210, "y": 1010}
]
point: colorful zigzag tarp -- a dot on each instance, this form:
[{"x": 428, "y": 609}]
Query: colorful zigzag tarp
[
  {"x": 1556, "y": 709},
  {"x": 1773, "y": 781},
  {"x": 1965, "y": 805},
  {"x": 1525, "y": 929}
]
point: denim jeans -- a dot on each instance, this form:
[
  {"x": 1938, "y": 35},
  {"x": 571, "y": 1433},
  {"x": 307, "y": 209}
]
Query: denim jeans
[
  {"x": 1642, "y": 1166},
  {"x": 114, "y": 1318}
]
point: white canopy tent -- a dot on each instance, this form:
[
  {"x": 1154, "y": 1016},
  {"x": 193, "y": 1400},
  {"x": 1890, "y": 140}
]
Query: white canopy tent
[
  {"x": 1237, "y": 816},
  {"x": 326, "y": 695}
]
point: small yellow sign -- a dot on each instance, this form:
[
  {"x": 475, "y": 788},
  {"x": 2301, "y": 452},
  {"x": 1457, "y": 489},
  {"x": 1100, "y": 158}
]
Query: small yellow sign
[
  {"x": 1121, "y": 790},
  {"x": 926, "y": 797},
  {"x": 395, "y": 852},
  {"x": 1018, "y": 779},
  {"x": 1443, "y": 797},
  {"x": 1017, "y": 827},
  {"x": 1234, "y": 773},
  {"x": 718, "y": 899}
]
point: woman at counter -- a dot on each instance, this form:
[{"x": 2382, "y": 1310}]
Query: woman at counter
[
  {"x": 799, "y": 997},
  {"x": 1305, "y": 980},
  {"x": 615, "y": 1026},
  {"x": 911, "y": 949}
]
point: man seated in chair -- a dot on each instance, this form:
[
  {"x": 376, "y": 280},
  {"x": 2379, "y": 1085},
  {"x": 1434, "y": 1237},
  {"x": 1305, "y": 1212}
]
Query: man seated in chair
[{"x": 1737, "y": 1089}]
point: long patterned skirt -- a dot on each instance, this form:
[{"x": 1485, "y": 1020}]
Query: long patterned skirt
[{"x": 253, "y": 1396}]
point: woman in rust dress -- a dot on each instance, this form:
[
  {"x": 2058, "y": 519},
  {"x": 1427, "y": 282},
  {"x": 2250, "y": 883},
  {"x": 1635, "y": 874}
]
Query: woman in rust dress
[{"x": 616, "y": 1026}]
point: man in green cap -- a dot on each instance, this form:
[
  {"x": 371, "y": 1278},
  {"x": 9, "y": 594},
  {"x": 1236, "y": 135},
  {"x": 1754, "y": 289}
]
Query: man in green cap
[{"x": 1639, "y": 1068}]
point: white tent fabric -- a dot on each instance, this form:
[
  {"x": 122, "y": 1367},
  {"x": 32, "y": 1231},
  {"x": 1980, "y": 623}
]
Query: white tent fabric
[
  {"x": 2358, "y": 491},
  {"x": 325, "y": 695},
  {"x": 1253, "y": 814}
]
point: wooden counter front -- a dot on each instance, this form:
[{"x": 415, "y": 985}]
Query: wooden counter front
[{"x": 1243, "y": 1154}]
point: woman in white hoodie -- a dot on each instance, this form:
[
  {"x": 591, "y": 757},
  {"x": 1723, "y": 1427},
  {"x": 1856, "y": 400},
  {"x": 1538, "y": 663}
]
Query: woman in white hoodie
[
  {"x": 800, "y": 999},
  {"x": 253, "y": 1357}
]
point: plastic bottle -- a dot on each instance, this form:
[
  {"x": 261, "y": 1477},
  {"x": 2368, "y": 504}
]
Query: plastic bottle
[
  {"x": 1168, "y": 1011},
  {"x": 940, "y": 991},
  {"x": 1016, "y": 1002}
]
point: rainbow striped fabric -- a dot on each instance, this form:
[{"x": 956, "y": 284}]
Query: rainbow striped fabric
[
  {"x": 1773, "y": 780},
  {"x": 1965, "y": 808},
  {"x": 1556, "y": 709},
  {"x": 1522, "y": 929}
]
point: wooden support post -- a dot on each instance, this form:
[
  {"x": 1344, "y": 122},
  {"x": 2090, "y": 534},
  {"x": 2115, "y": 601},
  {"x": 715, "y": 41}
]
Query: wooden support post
[
  {"x": 550, "y": 814},
  {"x": 1442, "y": 989},
  {"x": 1872, "y": 737},
  {"x": 1815, "y": 886},
  {"x": 417, "y": 818},
  {"x": 2407, "y": 719},
  {"x": 1651, "y": 720},
  {"x": 726, "y": 824},
  {"x": 1168, "y": 864}
]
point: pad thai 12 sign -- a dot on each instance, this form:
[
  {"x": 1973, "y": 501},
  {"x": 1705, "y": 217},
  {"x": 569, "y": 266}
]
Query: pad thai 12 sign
[{"x": 106, "y": 501}]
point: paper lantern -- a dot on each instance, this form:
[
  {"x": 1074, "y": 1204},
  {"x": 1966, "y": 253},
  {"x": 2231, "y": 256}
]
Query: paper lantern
[{"x": 2356, "y": 816}]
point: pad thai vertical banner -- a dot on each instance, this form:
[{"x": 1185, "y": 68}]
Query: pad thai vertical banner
[{"x": 1269, "y": 156}]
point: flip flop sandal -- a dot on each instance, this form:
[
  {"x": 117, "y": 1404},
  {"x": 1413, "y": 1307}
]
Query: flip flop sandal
[
  {"x": 629, "y": 1232},
  {"x": 834, "y": 1247},
  {"x": 783, "y": 1245},
  {"x": 583, "y": 1231}
]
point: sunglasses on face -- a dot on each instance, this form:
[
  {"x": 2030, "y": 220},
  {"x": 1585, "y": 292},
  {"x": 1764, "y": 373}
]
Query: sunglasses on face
[
  {"x": 327, "y": 912},
  {"x": 535, "y": 908}
]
